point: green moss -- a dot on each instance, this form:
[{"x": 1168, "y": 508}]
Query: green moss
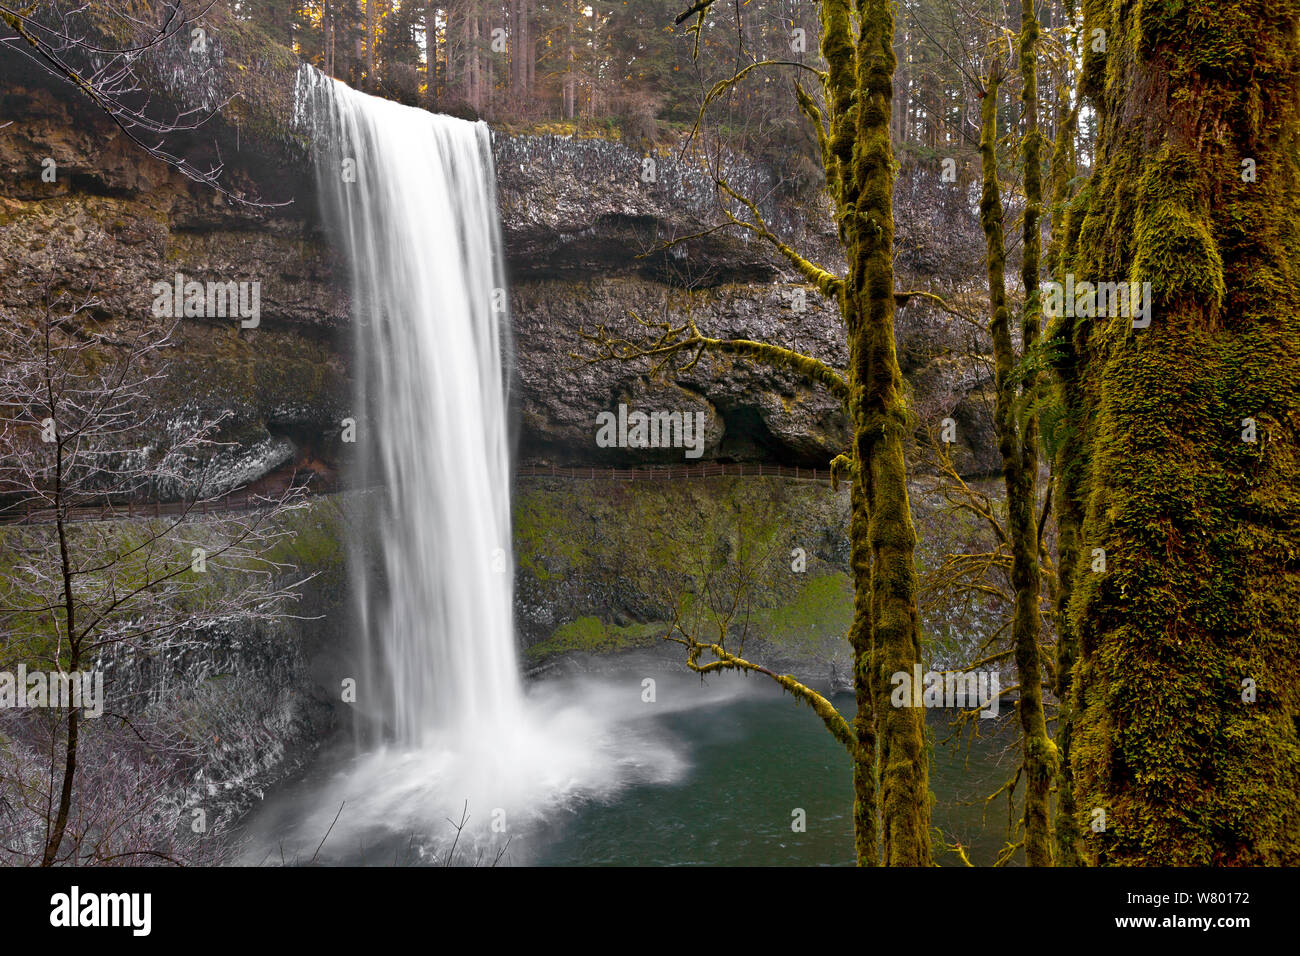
[
  {"x": 821, "y": 611},
  {"x": 225, "y": 368},
  {"x": 317, "y": 542},
  {"x": 809, "y": 627},
  {"x": 644, "y": 537},
  {"x": 1200, "y": 528},
  {"x": 547, "y": 542},
  {"x": 590, "y": 635},
  {"x": 314, "y": 544},
  {"x": 1173, "y": 247},
  {"x": 592, "y": 546}
]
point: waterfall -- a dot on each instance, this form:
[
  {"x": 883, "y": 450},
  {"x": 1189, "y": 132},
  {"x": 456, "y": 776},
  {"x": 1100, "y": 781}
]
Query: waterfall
[
  {"x": 410, "y": 197},
  {"x": 413, "y": 197}
]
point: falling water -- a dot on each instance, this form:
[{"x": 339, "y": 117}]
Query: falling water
[{"x": 413, "y": 196}]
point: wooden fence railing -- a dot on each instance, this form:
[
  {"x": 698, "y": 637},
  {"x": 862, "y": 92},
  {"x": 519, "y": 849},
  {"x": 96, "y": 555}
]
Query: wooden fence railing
[
  {"x": 679, "y": 472},
  {"x": 243, "y": 500},
  {"x": 237, "y": 501}
]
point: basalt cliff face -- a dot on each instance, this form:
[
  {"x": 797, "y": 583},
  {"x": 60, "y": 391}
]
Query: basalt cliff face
[
  {"x": 592, "y": 244},
  {"x": 585, "y": 224}
]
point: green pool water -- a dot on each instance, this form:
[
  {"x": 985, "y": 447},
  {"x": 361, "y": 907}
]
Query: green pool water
[{"x": 754, "y": 761}]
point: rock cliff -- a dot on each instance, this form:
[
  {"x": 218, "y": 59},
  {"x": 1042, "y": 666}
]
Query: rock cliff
[{"x": 584, "y": 229}]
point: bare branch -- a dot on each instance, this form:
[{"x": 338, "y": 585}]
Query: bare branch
[{"x": 676, "y": 349}]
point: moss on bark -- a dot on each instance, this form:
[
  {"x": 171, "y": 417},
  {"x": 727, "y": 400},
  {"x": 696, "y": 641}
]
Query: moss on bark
[
  {"x": 1201, "y": 528},
  {"x": 1018, "y": 449},
  {"x": 880, "y": 420}
]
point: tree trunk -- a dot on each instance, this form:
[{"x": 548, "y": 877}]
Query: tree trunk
[
  {"x": 1020, "y": 482},
  {"x": 880, "y": 418},
  {"x": 1188, "y": 680},
  {"x": 866, "y": 779},
  {"x": 431, "y": 53},
  {"x": 472, "y": 75},
  {"x": 904, "y": 96},
  {"x": 327, "y": 39},
  {"x": 570, "y": 81},
  {"x": 530, "y": 49},
  {"x": 518, "y": 71},
  {"x": 1039, "y": 750},
  {"x": 357, "y": 34},
  {"x": 55, "y": 837},
  {"x": 1067, "y": 506},
  {"x": 371, "y": 37}
]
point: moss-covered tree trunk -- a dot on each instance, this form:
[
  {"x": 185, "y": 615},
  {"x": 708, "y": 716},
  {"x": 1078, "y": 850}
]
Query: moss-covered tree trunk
[
  {"x": 891, "y": 765},
  {"x": 1188, "y": 677},
  {"x": 1066, "y": 504},
  {"x": 1017, "y": 448},
  {"x": 880, "y": 425},
  {"x": 1022, "y": 477},
  {"x": 888, "y": 744},
  {"x": 866, "y": 785}
]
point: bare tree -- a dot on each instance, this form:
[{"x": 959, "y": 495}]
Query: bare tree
[
  {"x": 77, "y": 427},
  {"x": 69, "y": 40},
  {"x": 714, "y": 622}
]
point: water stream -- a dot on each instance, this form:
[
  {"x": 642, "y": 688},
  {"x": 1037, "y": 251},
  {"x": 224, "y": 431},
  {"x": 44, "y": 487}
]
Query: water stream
[
  {"x": 412, "y": 196},
  {"x": 444, "y": 726}
]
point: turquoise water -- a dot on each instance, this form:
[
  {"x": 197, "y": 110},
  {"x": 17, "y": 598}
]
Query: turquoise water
[
  {"x": 753, "y": 762},
  {"x": 705, "y": 774}
]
